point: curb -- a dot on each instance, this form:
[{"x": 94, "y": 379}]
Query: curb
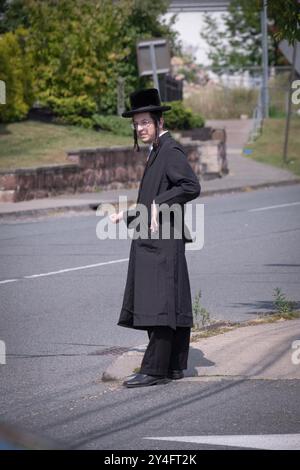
[
  {"x": 55, "y": 210},
  {"x": 250, "y": 187},
  {"x": 127, "y": 362},
  {"x": 46, "y": 211},
  {"x": 93, "y": 206}
]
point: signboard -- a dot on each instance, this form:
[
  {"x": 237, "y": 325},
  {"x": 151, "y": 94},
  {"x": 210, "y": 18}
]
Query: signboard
[
  {"x": 153, "y": 58},
  {"x": 161, "y": 55}
]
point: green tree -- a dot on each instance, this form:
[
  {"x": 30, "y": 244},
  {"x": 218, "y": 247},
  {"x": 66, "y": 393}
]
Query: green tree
[
  {"x": 142, "y": 20},
  {"x": 15, "y": 71},
  {"x": 80, "y": 48},
  {"x": 13, "y": 15},
  {"x": 75, "y": 49},
  {"x": 284, "y": 18},
  {"x": 238, "y": 44}
]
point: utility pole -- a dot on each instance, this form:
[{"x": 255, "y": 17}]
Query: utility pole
[
  {"x": 154, "y": 68},
  {"x": 265, "y": 62},
  {"x": 289, "y": 106}
]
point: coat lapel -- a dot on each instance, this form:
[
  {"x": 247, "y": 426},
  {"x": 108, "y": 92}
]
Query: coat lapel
[
  {"x": 154, "y": 154},
  {"x": 151, "y": 159},
  {"x": 145, "y": 169}
]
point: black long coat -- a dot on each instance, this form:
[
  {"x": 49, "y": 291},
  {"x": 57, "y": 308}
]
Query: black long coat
[{"x": 157, "y": 291}]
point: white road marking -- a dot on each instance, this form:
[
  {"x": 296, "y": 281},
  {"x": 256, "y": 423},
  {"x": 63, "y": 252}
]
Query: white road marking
[
  {"x": 274, "y": 207},
  {"x": 33, "y": 276},
  {"x": 258, "y": 441},
  {"x": 88, "y": 266},
  {"x": 8, "y": 280}
]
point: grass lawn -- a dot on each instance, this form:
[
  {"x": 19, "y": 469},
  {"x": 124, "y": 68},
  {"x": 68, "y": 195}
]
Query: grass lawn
[
  {"x": 32, "y": 143},
  {"x": 268, "y": 148}
]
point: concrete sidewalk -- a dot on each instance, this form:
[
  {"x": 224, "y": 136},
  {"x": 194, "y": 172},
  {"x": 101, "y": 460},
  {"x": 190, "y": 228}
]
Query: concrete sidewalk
[
  {"x": 244, "y": 174},
  {"x": 264, "y": 351}
]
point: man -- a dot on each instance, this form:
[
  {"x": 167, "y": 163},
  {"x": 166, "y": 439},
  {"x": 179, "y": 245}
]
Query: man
[{"x": 157, "y": 295}]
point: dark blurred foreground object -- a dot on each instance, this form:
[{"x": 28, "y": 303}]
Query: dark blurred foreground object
[{"x": 16, "y": 438}]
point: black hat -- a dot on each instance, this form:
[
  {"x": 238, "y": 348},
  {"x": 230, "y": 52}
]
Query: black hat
[{"x": 143, "y": 101}]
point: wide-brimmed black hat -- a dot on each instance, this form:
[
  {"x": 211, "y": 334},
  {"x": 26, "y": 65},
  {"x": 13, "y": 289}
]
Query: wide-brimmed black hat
[{"x": 144, "y": 101}]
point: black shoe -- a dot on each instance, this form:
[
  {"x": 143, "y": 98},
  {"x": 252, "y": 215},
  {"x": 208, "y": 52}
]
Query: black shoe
[
  {"x": 175, "y": 374},
  {"x": 144, "y": 380}
]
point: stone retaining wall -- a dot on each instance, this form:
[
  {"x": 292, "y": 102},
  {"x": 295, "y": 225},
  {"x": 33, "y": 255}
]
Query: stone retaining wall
[{"x": 100, "y": 168}]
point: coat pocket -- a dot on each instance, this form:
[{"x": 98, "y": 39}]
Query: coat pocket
[{"x": 150, "y": 295}]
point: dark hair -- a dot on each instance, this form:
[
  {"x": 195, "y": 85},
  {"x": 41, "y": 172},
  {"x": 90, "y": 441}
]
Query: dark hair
[
  {"x": 155, "y": 116},
  {"x": 136, "y": 144}
]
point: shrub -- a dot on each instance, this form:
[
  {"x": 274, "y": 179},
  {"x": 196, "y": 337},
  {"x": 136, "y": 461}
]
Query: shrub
[
  {"x": 196, "y": 121},
  {"x": 81, "y": 105},
  {"x": 15, "y": 72},
  {"x": 115, "y": 124},
  {"x": 182, "y": 117},
  {"x": 179, "y": 117},
  {"x": 75, "y": 120}
]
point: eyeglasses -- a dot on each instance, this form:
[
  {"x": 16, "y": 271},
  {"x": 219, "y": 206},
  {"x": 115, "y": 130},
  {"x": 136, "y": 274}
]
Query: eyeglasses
[{"x": 142, "y": 124}]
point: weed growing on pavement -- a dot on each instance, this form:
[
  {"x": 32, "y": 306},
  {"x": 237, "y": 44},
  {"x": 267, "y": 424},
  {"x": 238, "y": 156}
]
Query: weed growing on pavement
[
  {"x": 205, "y": 328},
  {"x": 283, "y": 306},
  {"x": 201, "y": 316}
]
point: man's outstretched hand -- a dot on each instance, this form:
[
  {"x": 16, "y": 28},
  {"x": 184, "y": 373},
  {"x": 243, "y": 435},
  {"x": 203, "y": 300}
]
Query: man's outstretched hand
[
  {"x": 154, "y": 213},
  {"x": 116, "y": 217}
]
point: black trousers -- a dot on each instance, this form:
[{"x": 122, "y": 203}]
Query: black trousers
[{"x": 167, "y": 350}]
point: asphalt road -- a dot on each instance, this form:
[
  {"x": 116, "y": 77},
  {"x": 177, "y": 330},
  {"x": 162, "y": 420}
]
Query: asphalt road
[
  {"x": 60, "y": 329},
  {"x": 176, "y": 416}
]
